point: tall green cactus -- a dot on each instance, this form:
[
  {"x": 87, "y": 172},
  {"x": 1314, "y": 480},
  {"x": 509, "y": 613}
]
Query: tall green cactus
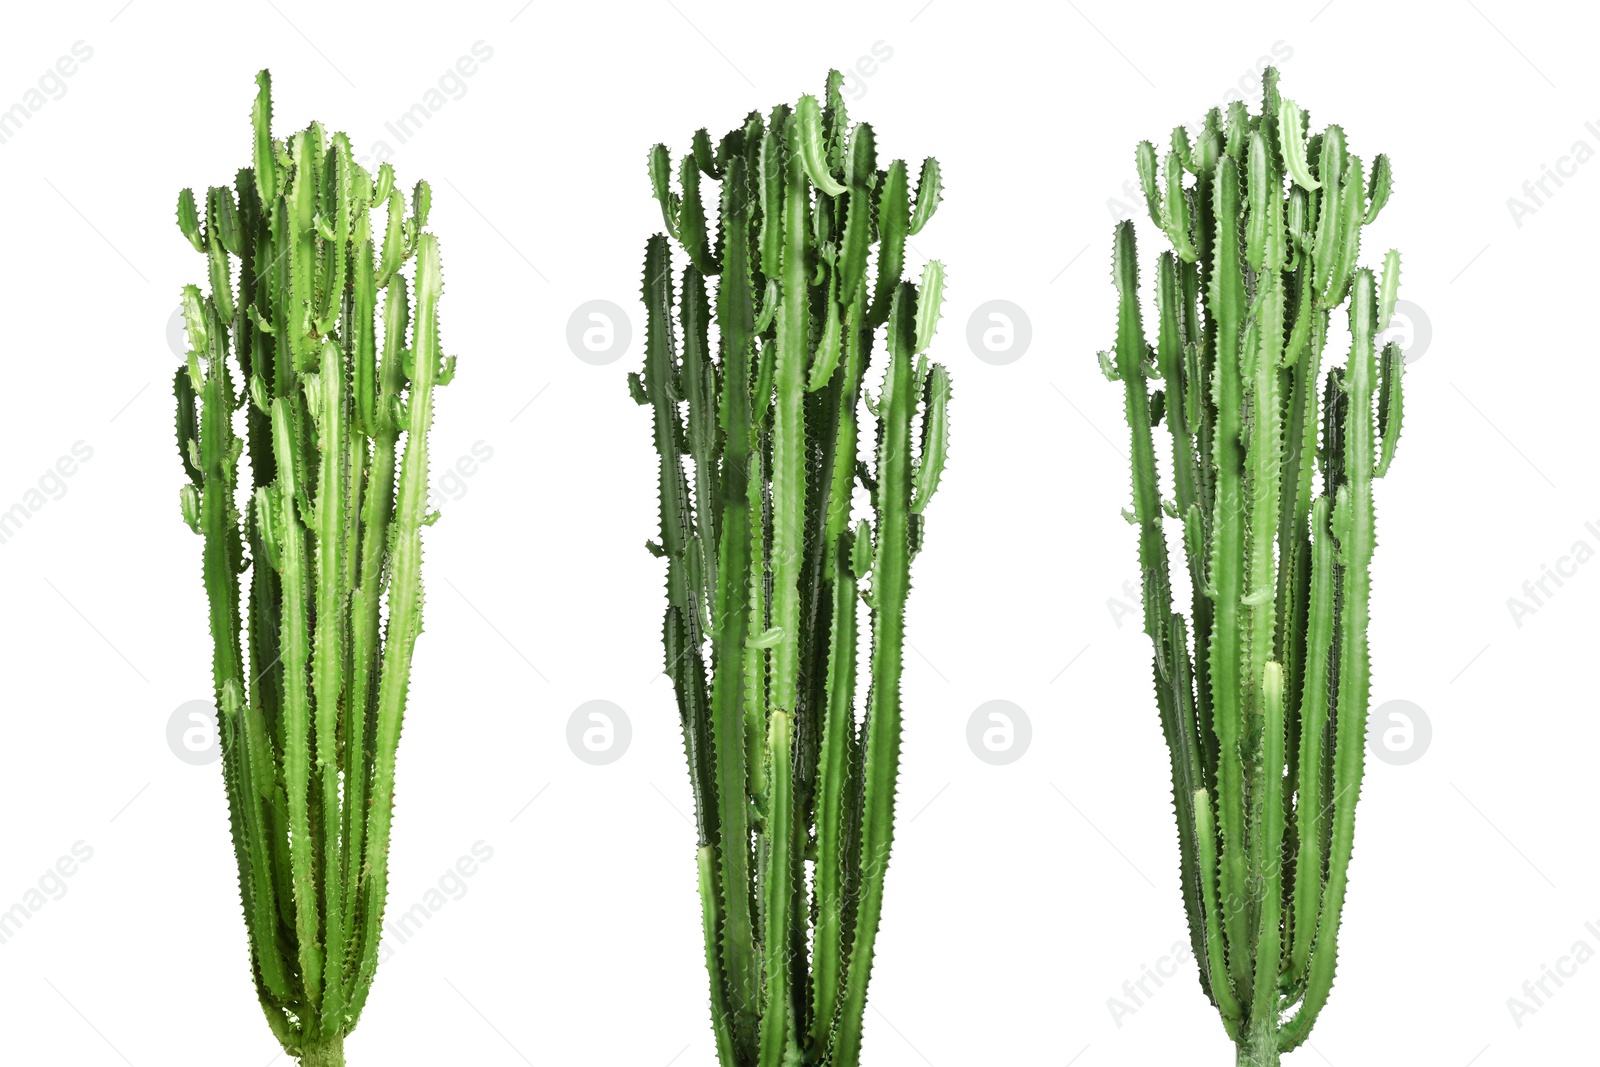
[
  {"x": 310, "y": 682},
  {"x": 1266, "y": 714},
  {"x": 764, "y": 571}
]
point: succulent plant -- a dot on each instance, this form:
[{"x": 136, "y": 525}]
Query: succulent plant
[
  {"x": 768, "y": 582},
  {"x": 1265, "y": 713},
  {"x": 313, "y": 578}
]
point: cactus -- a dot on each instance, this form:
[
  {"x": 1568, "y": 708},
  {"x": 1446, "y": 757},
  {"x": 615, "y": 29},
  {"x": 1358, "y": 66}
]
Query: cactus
[
  {"x": 310, "y": 681},
  {"x": 1265, "y": 715},
  {"x": 766, "y": 576}
]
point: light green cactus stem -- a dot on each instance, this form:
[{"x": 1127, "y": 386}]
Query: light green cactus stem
[
  {"x": 1265, "y": 712},
  {"x": 760, "y": 477},
  {"x": 288, "y": 369}
]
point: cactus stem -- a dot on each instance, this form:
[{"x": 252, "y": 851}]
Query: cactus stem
[
  {"x": 1274, "y": 491},
  {"x": 767, "y": 541},
  {"x": 329, "y": 1053},
  {"x": 301, "y": 664}
]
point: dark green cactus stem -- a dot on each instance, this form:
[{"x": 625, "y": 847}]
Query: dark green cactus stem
[
  {"x": 310, "y": 683},
  {"x": 760, "y": 477},
  {"x": 1265, "y": 711}
]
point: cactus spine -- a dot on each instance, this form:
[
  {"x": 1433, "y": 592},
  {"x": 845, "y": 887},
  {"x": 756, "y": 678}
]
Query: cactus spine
[
  {"x": 310, "y": 684},
  {"x": 1265, "y": 715},
  {"x": 765, "y": 575}
]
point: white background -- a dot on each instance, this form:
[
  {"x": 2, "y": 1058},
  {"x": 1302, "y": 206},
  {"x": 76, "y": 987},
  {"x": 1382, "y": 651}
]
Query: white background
[{"x": 1021, "y": 897}]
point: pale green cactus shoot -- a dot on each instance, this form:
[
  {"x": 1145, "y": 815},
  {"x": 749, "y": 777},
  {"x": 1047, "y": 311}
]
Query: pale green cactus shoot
[
  {"x": 1266, "y": 713},
  {"x": 290, "y": 371},
  {"x": 768, "y": 582}
]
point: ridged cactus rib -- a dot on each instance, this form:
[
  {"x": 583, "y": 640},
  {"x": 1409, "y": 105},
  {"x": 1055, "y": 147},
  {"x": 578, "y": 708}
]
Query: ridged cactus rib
[
  {"x": 1265, "y": 713},
  {"x": 327, "y": 544},
  {"x": 757, "y": 434}
]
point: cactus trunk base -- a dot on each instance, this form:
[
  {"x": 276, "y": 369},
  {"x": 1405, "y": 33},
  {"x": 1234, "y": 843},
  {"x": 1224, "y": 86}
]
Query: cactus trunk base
[
  {"x": 330, "y": 1053},
  {"x": 1259, "y": 1047}
]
